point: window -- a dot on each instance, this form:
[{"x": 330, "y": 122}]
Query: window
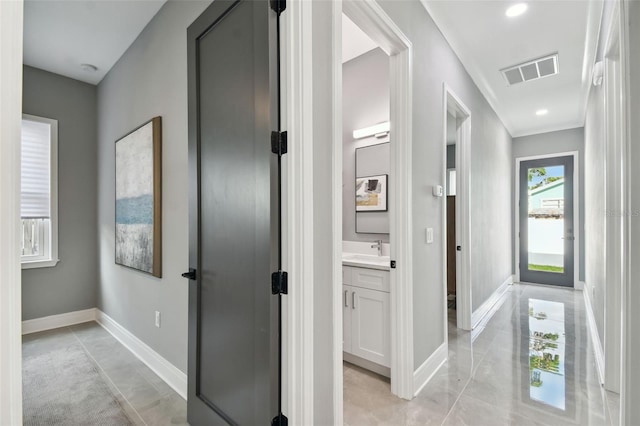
[{"x": 39, "y": 189}]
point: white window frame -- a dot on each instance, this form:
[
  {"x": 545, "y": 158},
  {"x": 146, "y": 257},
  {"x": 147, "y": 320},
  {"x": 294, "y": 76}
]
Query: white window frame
[{"x": 50, "y": 257}]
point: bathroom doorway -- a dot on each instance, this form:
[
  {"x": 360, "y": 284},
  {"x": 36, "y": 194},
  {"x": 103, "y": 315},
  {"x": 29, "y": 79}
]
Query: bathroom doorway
[
  {"x": 376, "y": 197},
  {"x": 366, "y": 210},
  {"x": 455, "y": 207}
]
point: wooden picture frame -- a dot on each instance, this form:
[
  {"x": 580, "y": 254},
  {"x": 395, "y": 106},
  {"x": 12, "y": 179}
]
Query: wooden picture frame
[{"x": 138, "y": 198}]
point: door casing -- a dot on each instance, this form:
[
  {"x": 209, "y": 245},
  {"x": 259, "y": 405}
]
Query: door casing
[{"x": 453, "y": 104}]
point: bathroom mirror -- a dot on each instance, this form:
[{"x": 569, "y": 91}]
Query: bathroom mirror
[{"x": 373, "y": 160}]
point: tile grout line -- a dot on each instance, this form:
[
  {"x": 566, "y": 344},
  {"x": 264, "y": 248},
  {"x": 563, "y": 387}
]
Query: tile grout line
[{"x": 104, "y": 374}]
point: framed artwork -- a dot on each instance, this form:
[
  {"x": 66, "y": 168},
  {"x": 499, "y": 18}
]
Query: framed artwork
[
  {"x": 371, "y": 194},
  {"x": 138, "y": 240}
]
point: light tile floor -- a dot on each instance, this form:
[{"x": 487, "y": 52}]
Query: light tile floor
[
  {"x": 145, "y": 398},
  {"x": 488, "y": 379}
]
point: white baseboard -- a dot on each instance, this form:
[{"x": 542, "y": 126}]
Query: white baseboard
[
  {"x": 366, "y": 364},
  {"x": 579, "y": 286},
  {"x": 57, "y": 321},
  {"x": 163, "y": 368},
  {"x": 425, "y": 372},
  {"x": 478, "y": 315},
  {"x": 593, "y": 331}
]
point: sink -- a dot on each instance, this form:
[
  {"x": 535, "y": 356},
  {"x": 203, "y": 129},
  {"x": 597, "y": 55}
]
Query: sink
[{"x": 366, "y": 260}]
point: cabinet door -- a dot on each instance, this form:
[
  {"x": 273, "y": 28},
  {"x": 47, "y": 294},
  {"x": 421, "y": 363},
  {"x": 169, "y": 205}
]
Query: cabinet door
[
  {"x": 347, "y": 293},
  {"x": 370, "y": 325}
]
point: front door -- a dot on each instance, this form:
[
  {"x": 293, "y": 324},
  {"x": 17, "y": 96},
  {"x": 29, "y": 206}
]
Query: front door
[
  {"x": 546, "y": 221},
  {"x": 234, "y": 361}
]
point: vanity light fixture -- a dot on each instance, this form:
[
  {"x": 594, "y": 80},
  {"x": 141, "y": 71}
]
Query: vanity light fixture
[{"x": 378, "y": 130}]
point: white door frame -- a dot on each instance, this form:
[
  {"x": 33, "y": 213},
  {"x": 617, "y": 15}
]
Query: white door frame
[
  {"x": 11, "y": 25},
  {"x": 630, "y": 317},
  {"x": 453, "y": 105},
  {"x": 576, "y": 211},
  {"x": 372, "y": 19},
  {"x": 297, "y": 212},
  {"x": 298, "y": 207},
  {"x": 614, "y": 190}
]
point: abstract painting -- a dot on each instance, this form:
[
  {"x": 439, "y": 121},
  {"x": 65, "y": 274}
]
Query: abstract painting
[
  {"x": 139, "y": 199},
  {"x": 371, "y": 194}
]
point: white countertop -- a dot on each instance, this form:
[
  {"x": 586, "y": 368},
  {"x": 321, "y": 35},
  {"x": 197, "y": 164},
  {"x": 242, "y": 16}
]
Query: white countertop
[{"x": 366, "y": 261}]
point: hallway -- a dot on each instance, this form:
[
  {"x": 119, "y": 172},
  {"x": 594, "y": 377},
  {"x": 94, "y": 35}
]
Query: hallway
[{"x": 488, "y": 380}]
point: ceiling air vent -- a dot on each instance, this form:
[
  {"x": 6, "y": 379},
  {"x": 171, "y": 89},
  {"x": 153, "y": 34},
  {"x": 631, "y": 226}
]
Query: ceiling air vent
[{"x": 531, "y": 70}]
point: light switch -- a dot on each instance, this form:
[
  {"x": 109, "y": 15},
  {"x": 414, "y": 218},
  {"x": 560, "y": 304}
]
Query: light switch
[{"x": 429, "y": 235}]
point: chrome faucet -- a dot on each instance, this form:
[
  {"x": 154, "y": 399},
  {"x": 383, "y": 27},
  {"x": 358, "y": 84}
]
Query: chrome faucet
[{"x": 378, "y": 245}]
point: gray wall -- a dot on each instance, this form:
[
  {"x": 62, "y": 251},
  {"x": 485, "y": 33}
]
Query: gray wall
[
  {"x": 553, "y": 143},
  {"x": 71, "y": 284},
  {"x": 149, "y": 80},
  {"x": 451, "y": 156},
  {"x": 595, "y": 205},
  {"x": 365, "y": 102},
  {"x": 435, "y": 63},
  {"x": 324, "y": 312}
]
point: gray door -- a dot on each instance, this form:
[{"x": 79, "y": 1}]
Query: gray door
[
  {"x": 546, "y": 221},
  {"x": 233, "y": 216}
]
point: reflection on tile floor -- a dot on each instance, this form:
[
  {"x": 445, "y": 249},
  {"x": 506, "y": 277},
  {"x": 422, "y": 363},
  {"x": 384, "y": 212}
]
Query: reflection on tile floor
[
  {"x": 145, "y": 398},
  {"x": 532, "y": 363}
]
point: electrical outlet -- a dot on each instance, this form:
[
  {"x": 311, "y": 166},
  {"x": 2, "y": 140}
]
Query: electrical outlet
[{"x": 158, "y": 319}]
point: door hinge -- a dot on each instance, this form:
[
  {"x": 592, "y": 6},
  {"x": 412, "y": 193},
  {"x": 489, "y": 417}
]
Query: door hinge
[
  {"x": 280, "y": 420},
  {"x": 278, "y": 6},
  {"x": 279, "y": 142},
  {"x": 279, "y": 284}
]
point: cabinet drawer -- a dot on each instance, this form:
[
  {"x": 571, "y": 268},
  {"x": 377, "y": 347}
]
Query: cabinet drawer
[{"x": 373, "y": 279}]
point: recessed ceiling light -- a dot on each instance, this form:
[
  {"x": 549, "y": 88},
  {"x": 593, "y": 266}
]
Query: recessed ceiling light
[
  {"x": 542, "y": 112},
  {"x": 516, "y": 10},
  {"x": 89, "y": 67}
]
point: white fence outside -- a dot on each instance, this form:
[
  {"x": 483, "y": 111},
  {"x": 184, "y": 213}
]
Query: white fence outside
[{"x": 546, "y": 246}]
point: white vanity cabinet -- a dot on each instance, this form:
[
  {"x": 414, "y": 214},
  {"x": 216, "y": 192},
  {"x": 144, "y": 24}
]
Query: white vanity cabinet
[{"x": 366, "y": 314}]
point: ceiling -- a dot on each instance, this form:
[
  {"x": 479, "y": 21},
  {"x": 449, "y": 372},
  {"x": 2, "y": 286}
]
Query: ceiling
[
  {"x": 354, "y": 41},
  {"x": 60, "y": 35},
  {"x": 486, "y": 41}
]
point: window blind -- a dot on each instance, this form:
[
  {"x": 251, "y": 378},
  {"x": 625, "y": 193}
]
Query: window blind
[{"x": 36, "y": 170}]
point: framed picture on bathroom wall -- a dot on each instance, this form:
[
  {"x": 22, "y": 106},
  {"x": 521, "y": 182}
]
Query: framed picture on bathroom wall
[{"x": 371, "y": 193}]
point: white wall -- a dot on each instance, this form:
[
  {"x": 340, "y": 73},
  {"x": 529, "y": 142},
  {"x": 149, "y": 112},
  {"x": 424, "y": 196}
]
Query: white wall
[
  {"x": 553, "y": 143},
  {"x": 149, "y": 80}
]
